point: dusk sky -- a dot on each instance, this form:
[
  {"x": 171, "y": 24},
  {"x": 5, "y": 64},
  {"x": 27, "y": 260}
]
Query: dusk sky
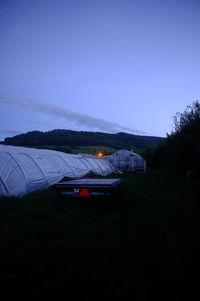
[{"x": 107, "y": 65}]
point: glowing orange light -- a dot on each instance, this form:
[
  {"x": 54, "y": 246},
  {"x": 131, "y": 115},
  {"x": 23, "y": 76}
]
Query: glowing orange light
[{"x": 100, "y": 154}]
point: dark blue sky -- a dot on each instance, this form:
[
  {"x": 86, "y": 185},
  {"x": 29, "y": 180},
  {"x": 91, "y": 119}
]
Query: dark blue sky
[{"x": 97, "y": 65}]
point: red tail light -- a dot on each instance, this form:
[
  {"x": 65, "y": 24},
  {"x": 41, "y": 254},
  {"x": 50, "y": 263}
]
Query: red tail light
[{"x": 85, "y": 193}]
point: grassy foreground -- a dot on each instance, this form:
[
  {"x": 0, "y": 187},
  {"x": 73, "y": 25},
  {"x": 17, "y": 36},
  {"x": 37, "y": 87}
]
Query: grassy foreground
[{"x": 144, "y": 236}]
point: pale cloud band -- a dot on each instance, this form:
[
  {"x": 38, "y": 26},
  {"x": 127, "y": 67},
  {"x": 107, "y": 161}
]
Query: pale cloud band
[
  {"x": 60, "y": 112},
  {"x": 11, "y": 132}
]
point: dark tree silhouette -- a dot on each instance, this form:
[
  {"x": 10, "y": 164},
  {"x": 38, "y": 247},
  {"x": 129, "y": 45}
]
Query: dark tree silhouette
[{"x": 181, "y": 149}]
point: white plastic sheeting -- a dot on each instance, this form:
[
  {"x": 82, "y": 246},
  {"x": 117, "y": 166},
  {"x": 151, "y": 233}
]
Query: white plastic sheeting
[
  {"x": 127, "y": 161},
  {"x": 23, "y": 170}
]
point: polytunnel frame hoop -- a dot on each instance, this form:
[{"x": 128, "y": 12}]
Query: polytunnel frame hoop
[
  {"x": 21, "y": 168},
  {"x": 93, "y": 167},
  {"x": 4, "y": 185},
  {"x": 65, "y": 161},
  {"x": 38, "y": 165}
]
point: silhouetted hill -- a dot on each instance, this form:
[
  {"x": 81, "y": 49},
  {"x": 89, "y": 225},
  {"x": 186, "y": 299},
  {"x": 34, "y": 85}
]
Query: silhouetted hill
[{"x": 80, "y": 138}]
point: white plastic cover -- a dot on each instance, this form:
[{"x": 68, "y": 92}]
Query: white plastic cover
[
  {"x": 127, "y": 161},
  {"x": 23, "y": 170}
]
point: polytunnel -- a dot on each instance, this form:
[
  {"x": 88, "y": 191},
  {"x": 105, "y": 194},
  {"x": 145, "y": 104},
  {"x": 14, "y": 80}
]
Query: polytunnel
[
  {"x": 23, "y": 170},
  {"x": 127, "y": 161}
]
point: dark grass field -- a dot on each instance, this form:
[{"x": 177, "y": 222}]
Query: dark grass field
[{"x": 142, "y": 240}]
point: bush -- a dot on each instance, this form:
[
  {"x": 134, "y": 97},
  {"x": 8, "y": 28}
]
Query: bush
[{"x": 181, "y": 149}]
